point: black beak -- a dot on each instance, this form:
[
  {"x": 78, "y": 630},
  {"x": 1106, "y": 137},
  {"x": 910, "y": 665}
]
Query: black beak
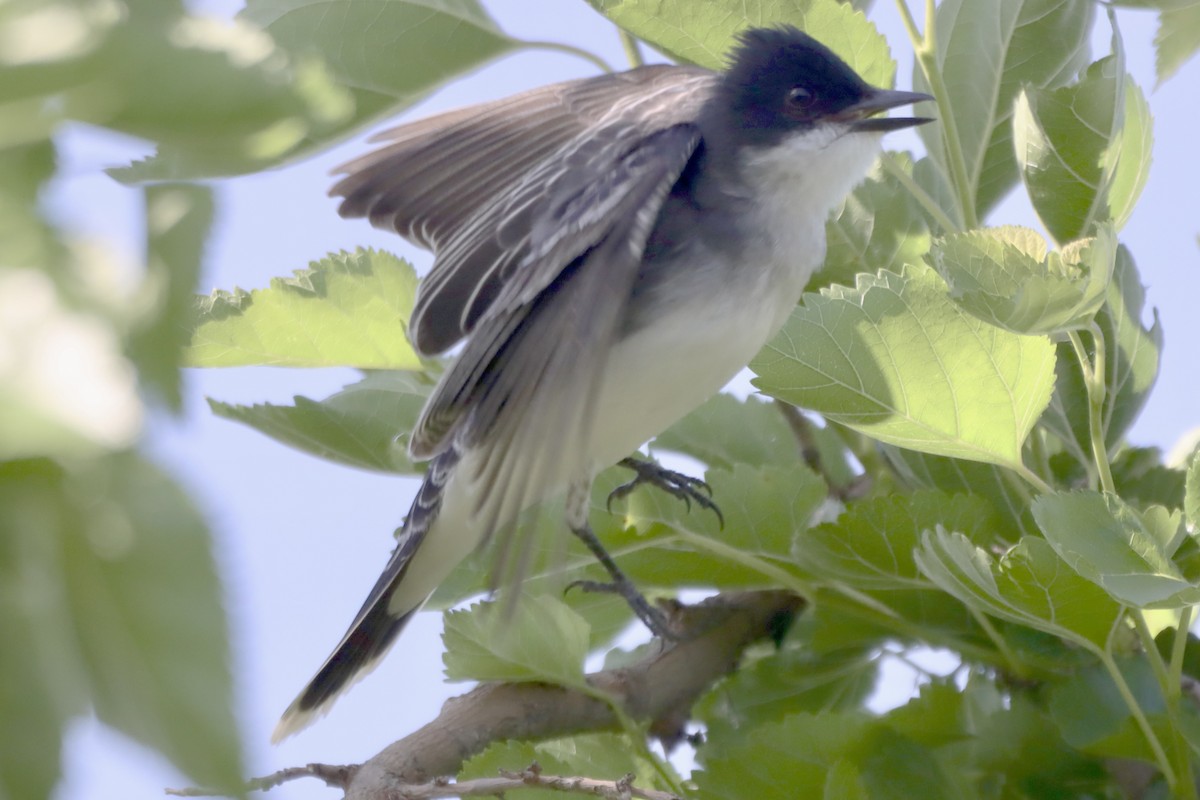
[{"x": 877, "y": 100}]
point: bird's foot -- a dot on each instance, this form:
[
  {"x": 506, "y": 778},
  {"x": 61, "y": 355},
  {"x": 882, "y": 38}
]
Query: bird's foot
[
  {"x": 676, "y": 484},
  {"x": 652, "y": 617}
]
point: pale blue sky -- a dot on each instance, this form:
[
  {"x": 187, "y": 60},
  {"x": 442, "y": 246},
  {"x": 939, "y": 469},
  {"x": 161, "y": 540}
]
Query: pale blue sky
[{"x": 300, "y": 541}]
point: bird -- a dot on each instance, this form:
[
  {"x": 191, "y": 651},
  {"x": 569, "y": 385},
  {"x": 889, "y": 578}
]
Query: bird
[{"x": 609, "y": 252}]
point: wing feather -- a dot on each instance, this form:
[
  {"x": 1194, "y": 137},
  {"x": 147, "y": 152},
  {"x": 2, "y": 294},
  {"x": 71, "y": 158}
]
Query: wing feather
[{"x": 473, "y": 184}]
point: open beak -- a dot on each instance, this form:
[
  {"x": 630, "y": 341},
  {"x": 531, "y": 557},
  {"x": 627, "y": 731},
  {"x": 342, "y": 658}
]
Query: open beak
[{"x": 862, "y": 114}]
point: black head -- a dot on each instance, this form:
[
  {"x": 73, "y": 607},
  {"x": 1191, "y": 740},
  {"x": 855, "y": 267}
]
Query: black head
[{"x": 781, "y": 80}]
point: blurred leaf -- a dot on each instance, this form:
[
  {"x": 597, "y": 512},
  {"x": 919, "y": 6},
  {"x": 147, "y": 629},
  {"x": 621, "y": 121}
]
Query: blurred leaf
[
  {"x": 1130, "y": 368},
  {"x": 786, "y": 682},
  {"x": 1070, "y": 141},
  {"x": 726, "y": 431},
  {"x": 126, "y": 563},
  {"x": 1029, "y": 585},
  {"x": 314, "y": 71},
  {"x": 42, "y": 683},
  {"x": 1110, "y": 544},
  {"x": 1094, "y": 718},
  {"x": 871, "y": 544},
  {"x": 1005, "y": 276},
  {"x": 924, "y": 374},
  {"x": 879, "y": 227},
  {"x": 987, "y": 53},
  {"x": 365, "y": 425},
  {"x": 1191, "y": 503},
  {"x": 27, "y": 239},
  {"x": 794, "y": 758},
  {"x": 1143, "y": 480},
  {"x": 936, "y": 716},
  {"x": 348, "y": 309},
  {"x": 702, "y": 31},
  {"x": 547, "y": 642},
  {"x": 178, "y": 220}
]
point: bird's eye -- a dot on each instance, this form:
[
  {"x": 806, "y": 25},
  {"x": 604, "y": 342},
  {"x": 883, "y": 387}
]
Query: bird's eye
[{"x": 799, "y": 98}]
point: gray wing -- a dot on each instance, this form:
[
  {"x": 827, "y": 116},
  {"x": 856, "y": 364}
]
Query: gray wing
[
  {"x": 481, "y": 186},
  {"x": 521, "y": 393}
]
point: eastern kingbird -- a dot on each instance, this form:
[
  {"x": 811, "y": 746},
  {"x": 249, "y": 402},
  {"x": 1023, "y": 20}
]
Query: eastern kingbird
[{"x": 613, "y": 250}]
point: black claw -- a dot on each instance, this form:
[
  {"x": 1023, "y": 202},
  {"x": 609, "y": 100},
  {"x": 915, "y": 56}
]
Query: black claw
[{"x": 680, "y": 486}]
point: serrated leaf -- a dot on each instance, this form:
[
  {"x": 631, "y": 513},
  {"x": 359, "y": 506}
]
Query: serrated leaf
[
  {"x": 702, "y": 31},
  {"x": 355, "y": 61},
  {"x": 880, "y": 226},
  {"x": 986, "y": 53},
  {"x": 365, "y": 425},
  {"x": 127, "y": 567},
  {"x": 1005, "y": 277},
  {"x": 348, "y": 309},
  {"x": 178, "y": 220},
  {"x": 1070, "y": 143},
  {"x": 547, "y": 641},
  {"x": 1130, "y": 368},
  {"x": 1126, "y": 553},
  {"x": 895, "y": 359},
  {"x": 1178, "y": 37},
  {"x": 956, "y": 476},
  {"x": 726, "y": 431},
  {"x": 1029, "y": 585},
  {"x": 871, "y": 545}
]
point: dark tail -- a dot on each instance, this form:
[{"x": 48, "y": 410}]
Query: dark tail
[{"x": 377, "y": 624}]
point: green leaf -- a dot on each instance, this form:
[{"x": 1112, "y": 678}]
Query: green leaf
[
  {"x": 1029, "y": 585},
  {"x": 604, "y": 756},
  {"x": 955, "y": 476},
  {"x": 1005, "y": 276},
  {"x": 895, "y": 359},
  {"x": 42, "y": 684},
  {"x": 1143, "y": 480},
  {"x": 936, "y": 716},
  {"x": 1112, "y": 545},
  {"x": 1130, "y": 366},
  {"x": 879, "y": 227},
  {"x": 27, "y": 239},
  {"x": 1093, "y": 717},
  {"x": 702, "y": 31},
  {"x": 178, "y": 220},
  {"x": 795, "y": 679},
  {"x": 547, "y": 641},
  {"x": 355, "y": 62},
  {"x": 987, "y": 52},
  {"x": 1178, "y": 37},
  {"x": 219, "y": 97},
  {"x": 871, "y": 545},
  {"x": 764, "y": 509},
  {"x": 1191, "y": 503},
  {"x": 726, "y": 431},
  {"x": 1070, "y": 143},
  {"x": 365, "y": 425},
  {"x": 348, "y": 309},
  {"x": 123, "y": 561},
  {"x": 794, "y": 758}
]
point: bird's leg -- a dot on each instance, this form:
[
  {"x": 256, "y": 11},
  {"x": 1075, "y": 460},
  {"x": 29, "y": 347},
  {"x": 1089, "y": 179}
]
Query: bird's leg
[
  {"x": 577, "y": 511},
  {"x": 676, "y": 484}
]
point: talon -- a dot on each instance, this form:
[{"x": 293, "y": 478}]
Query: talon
[{"x": 676, "y": 484}]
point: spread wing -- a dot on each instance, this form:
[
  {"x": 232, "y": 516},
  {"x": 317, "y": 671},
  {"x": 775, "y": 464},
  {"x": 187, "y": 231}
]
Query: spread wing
[{"x": 486, "y": 186}]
